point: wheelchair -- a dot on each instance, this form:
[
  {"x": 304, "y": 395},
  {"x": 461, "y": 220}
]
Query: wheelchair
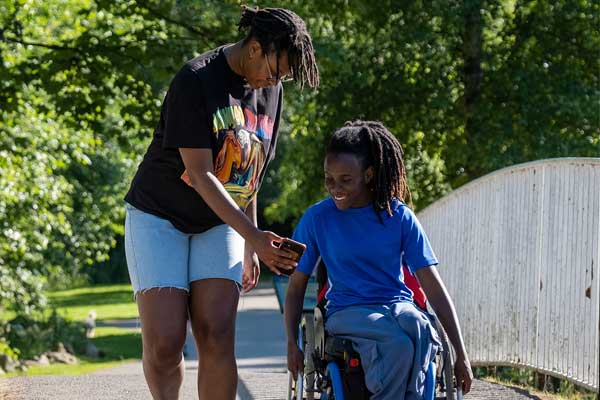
[{"x": 332, "y": 368}]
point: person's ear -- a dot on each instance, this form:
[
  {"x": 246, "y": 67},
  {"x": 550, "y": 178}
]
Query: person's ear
[
  {"x": 254, "y": 49},
  {"x": 369, "y": 174}
]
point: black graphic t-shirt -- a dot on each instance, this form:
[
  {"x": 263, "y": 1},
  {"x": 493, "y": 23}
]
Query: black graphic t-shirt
[{"x": 207, "y": 106}]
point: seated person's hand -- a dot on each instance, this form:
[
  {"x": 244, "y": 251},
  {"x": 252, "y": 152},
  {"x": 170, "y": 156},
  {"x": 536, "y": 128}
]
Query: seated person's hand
[
  {"x": 462, "y": 372},
  {"x": 295, "y": 360}
]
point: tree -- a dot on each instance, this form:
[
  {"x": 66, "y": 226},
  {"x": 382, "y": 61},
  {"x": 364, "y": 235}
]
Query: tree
[
  {"x": 81, "y": 88},
  {"x": 467, "y": 86}
]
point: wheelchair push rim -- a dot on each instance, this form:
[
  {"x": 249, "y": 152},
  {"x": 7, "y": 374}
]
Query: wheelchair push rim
[{"x": 299, "y": 389}]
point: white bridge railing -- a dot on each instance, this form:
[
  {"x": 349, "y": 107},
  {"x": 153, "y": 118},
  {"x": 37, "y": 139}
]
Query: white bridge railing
[{"x": 519, "y": 251}]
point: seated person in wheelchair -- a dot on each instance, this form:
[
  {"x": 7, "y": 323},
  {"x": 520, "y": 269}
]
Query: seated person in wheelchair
[{"x": 364, "y": 232}]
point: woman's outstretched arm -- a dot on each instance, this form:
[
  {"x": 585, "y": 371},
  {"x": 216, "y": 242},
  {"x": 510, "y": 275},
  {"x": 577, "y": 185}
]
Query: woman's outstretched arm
[{"x": 199, "y": 165}]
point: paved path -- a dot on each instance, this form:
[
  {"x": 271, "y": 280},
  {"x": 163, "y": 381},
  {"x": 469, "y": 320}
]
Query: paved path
[{"x": 260, "y": 351}]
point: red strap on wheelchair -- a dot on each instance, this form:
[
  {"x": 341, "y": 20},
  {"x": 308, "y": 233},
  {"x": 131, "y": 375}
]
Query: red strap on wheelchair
[
  {"x": 321, "y": 295},
  {"x": 413, "y": 284},
  {"x": 409, "y": 280}
]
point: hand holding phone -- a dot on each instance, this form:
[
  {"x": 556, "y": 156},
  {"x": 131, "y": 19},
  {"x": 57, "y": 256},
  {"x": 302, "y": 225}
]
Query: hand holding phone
[{"x": 295, "y": 249}]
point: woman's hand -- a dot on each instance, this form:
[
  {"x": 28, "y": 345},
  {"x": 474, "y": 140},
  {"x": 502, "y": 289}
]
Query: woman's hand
[
  {"x": 274, "y": 258},
  {"x": 251, "y": 271},
  {"x": 463, "y": 374},
  {"x": 295, "y": 360}
]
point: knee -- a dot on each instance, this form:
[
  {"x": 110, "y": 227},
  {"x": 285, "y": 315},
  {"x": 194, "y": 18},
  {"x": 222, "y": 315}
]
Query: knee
[
  {"x": 215, "y": 333},
  {"x": 164, "y": 347}
]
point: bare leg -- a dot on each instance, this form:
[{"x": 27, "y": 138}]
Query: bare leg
[
  {"x": 163, "y": 313},
  {"x": 213, "y": 307}
]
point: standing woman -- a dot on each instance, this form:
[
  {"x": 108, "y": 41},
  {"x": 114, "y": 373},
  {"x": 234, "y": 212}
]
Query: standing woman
[{"x": 191, "y": 237}]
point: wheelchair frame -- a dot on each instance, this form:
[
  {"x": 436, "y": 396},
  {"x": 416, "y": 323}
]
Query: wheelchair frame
[{"x": 325, "y": 378}]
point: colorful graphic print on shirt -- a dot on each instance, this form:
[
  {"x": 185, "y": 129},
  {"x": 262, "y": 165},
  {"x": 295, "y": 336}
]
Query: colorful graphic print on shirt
[{"x": 243, "y": 140}]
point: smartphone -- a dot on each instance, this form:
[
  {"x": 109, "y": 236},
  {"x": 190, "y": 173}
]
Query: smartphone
[{"x": 296, "y": 249}]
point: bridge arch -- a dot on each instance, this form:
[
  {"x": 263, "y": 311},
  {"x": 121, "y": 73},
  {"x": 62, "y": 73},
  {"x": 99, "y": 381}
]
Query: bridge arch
[{"x": 519, "y": 251}]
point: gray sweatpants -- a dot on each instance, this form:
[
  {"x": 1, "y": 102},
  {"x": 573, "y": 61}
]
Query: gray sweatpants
[{"x": 396, "y": 343}]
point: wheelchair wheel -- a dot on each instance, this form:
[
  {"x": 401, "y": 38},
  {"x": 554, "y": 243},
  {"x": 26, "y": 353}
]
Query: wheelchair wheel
[
  {"x": 335, "y": 387},
  {"x": 445, "y": 374},
  {"x": 306, "y": 342},
  {"x": 308, "y": 325},
  {"x": 429, "y": 393},
  {"x": 295, "y": 387},
  {"x": 291, "y": 392}
]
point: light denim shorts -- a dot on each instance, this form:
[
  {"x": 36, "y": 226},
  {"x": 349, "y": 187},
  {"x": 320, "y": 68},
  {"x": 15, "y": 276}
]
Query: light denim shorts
[{"x": 159, "y": 255}]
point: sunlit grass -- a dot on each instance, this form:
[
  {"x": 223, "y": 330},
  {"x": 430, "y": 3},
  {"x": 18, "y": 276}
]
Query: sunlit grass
[
  {"x": 119, "y": 345},
  {"x": 544, "y": 395},
  {"x": 567, "y": 391},
  {"x": 109, "y": 302},
  {"x": 85, "y": 366}
]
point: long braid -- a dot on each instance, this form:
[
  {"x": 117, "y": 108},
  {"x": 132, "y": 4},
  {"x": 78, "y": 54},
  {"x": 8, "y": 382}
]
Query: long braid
[
  {"x": 280, "y": 29},
  {"x": 377, "y": 147},
  {"x": 392, "y": 181}
]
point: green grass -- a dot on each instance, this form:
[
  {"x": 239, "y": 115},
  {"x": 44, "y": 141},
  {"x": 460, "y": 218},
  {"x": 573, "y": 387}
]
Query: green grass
[
  {"x": 543, "y": 395},
  {"x": 111, "y": 302},
  {"x": 85, "y": 366},
  {"x": 118, "y": 343},
  {"x": 524, "y": 378}
]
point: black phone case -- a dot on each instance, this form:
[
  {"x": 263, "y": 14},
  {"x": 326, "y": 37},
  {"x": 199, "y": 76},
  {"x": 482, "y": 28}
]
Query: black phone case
[{"x": 296, "y": 250}]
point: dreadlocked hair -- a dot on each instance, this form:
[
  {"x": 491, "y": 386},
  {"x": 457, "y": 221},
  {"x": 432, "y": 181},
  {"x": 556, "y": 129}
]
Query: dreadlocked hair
[
  {"x": 280, "y": 29},
  {"x": 375, "y": 146}
]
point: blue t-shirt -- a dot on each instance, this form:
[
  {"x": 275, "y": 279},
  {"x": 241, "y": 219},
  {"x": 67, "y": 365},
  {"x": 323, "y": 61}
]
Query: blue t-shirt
[{"x": 363, "y": 256}]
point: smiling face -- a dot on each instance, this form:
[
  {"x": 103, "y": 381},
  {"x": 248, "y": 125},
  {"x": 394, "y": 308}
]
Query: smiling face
[
  {"x": 347, "y": 181},
  {"x": 263, "y": 69}
]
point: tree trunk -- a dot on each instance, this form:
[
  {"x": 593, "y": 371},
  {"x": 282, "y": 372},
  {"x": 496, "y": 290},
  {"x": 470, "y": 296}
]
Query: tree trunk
[{"x": 472, "y": 74}]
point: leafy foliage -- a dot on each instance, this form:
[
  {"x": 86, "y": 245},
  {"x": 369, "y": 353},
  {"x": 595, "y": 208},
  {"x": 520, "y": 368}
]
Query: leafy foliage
[
  {"x": 30, "y": 337},
  {"x": 467, "y": 86},
  {"x": 80, "y": 94},
  {"x": 405, "y": 64}
]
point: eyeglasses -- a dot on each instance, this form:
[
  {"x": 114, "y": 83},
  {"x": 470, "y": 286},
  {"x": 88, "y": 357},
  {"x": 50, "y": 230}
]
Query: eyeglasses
[{"x": 277, "y": 78}]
